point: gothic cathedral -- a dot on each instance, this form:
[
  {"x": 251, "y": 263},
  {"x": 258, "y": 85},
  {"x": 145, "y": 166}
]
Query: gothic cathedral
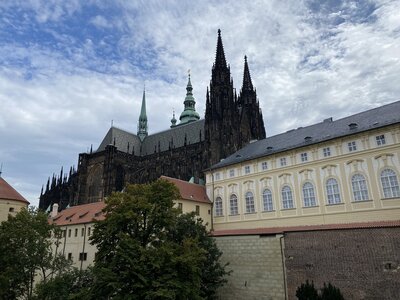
[{"x": 183, "y": 151}]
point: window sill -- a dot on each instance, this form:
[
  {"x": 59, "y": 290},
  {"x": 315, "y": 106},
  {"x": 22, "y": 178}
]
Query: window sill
[
  {"x": 234, "y": 215},
  {"x": 268, "y": 211},
  {"x": 361, "y": 201},
  {"x": 333, "y": 204},
  {"x": 289, "y": 208},
  {"x": 221, "y": 216},
  {"x": 250, "y": 213},
  {"x": 310, "y": 206},
  {"x": 391, "y": 198}
]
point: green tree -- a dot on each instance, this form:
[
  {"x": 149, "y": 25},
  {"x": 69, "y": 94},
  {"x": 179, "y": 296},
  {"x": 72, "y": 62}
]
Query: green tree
[
  {"x": 213, "y": 273},
  {"x": 26, "y": 253},
  {"x": 69, "y": 285},
  {"x": 330, "y": 292},
  {"x": 307, "y": 291},
  {"x": 140, "y": 254}
]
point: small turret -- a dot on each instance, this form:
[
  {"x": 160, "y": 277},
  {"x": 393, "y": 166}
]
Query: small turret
[
  {"x": 142, "y": 127},
  {"x": 173, "y": 120},
  {"x": 189, "y": 114}
]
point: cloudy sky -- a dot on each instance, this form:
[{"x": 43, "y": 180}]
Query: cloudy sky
[{"x": 69, "y": 67}]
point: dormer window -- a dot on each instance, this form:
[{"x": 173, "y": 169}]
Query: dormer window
[{"x": 353, "y": 126}]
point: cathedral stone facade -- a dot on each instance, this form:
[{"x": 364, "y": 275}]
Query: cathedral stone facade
[{"x": 183, "y": 151}]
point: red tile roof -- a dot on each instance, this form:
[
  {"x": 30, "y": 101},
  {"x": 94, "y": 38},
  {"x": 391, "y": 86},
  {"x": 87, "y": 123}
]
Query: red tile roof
[
  {"x": 279, "y": 230},
  {"x": 80, "y": 214},
  {"x": 189, "y": 191},
  {"x": 9, "y": 193}
]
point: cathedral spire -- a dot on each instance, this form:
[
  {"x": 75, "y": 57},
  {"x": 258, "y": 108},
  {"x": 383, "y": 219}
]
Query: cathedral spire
[
  {"x": 220, "y": 60},
  {"x": 247, "y": 84},
  {"x": 189, "y": 114},
  {"x": 142, "y": 127}
]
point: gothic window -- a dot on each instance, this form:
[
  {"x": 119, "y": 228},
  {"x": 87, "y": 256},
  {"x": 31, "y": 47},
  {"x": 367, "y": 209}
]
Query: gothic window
[
  {"x": 332, "y": 191},
  {"x": 233, "y": 205},
  {"x": 250, "y": 202},
  {"x": 218, "y": 207},
  {"x": 359, "y": 186},
  {"x": 326, "y": 151},
  {"x": 267, "y": 200},
  {"x": 352, "y": 146},
  {"x": 309, "y": 195},
  {"x": 380, "y": 140},
  {"x": 304, "y": 157},
  {"x": 390, "y": 184},
  {"x": 287, "y": 197}
]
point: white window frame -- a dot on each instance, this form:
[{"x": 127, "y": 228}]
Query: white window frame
[
  {"x": 380, "y": 140},
  {"x": 352, "y": 146},
  {"x": 231, "y": 172},
  {"x": 332, "y": 191},
  {"x": 309, "y": 198},
  {"x": 217, "y": 176},
  {"x": 390, "y": 183},
  {"x": 267, "y": 200},
  {"x": 250, "y": 207},
  {"x": 264, "y": 165},
  {"x": 283, "y": 161},
  {"x": 304, "y": 157},
  {"x": 247, "y": 170},
  {"x": 287, "y": 197},
  {"x": 359, "y": 187},
  {"x": 326, "y": 151},
  {"x": 219, "y": 212},
  {"x": 233, "y": 205}
]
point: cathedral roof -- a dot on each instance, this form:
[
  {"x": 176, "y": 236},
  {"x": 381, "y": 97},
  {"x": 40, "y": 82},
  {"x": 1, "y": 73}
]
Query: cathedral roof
[
  {"x": 7, "y": 192},
  {"x": 175, "y": 137},
  {"x": 316, "y": 133}
]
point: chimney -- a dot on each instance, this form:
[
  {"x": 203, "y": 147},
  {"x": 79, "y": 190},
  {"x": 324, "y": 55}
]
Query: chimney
[{"x": 54, "y": 211}]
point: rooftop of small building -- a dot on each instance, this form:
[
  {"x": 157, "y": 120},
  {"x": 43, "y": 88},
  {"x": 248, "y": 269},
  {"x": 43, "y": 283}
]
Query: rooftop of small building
[
  {"x": 324, "y": 131},
  {"x": 80, "y": 214},
  {"x": 7, "y": 192},
  {"x": 189, "y": 191}
]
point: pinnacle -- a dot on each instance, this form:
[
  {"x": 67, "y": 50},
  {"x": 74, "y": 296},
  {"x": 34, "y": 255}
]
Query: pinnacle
[
  {"x": 247, "y": 84},
  {"x": 220, "y": 55}
]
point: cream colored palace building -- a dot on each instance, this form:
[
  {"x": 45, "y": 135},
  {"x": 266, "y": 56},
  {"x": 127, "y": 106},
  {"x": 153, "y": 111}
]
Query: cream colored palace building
[
  {"x": 332, "y": 172},
  {"x": 77, "y": 222}
]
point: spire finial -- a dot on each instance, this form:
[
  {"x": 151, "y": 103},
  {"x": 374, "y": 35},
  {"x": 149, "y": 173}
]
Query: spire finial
[
  {"x": 247, "y": 84},
  {"x": 219, "y": 32},
  {"x": 245, "y": 58}
]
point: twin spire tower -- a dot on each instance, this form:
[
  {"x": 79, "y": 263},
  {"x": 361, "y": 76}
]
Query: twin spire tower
[{"x": 230, "y": 121}]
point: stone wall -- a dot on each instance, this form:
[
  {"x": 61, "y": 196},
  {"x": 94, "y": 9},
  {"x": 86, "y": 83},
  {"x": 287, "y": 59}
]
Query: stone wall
[
  {"x": 256, "y": 263},
  {"x": 363, "y": 263}
]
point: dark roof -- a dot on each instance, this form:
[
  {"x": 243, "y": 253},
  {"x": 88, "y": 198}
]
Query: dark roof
[
  {"x": 324, "y": 131},
  {"x": 122, "y": 138},
  {"x": 7, "y": 192},
  {"x": 174, "y": 136},
  {"x": 280, "y": 230}
]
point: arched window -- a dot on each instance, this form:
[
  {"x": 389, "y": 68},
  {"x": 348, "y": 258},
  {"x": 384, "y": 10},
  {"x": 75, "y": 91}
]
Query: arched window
[
  {"x": 218, "y": 207},
  {"x": 287, "y": 197},
  {"x": 234, "y": 205},
  {"x": 332, "y": 191},
  {"x": 359, "y": 186},
  {"x": 390, "y": 184},
  {"x": 267, "y": 200},
  {"x": 249, "y": 202},
  {"x": 309, "y": 195}
]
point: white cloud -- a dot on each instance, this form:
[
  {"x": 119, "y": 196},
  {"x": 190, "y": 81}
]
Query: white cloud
[{"x": 307, "y": 64}]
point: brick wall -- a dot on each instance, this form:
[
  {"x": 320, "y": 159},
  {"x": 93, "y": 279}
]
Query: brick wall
[
  {"x": 257, "y": 267},
  {"x": 363, "y": 263}
]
